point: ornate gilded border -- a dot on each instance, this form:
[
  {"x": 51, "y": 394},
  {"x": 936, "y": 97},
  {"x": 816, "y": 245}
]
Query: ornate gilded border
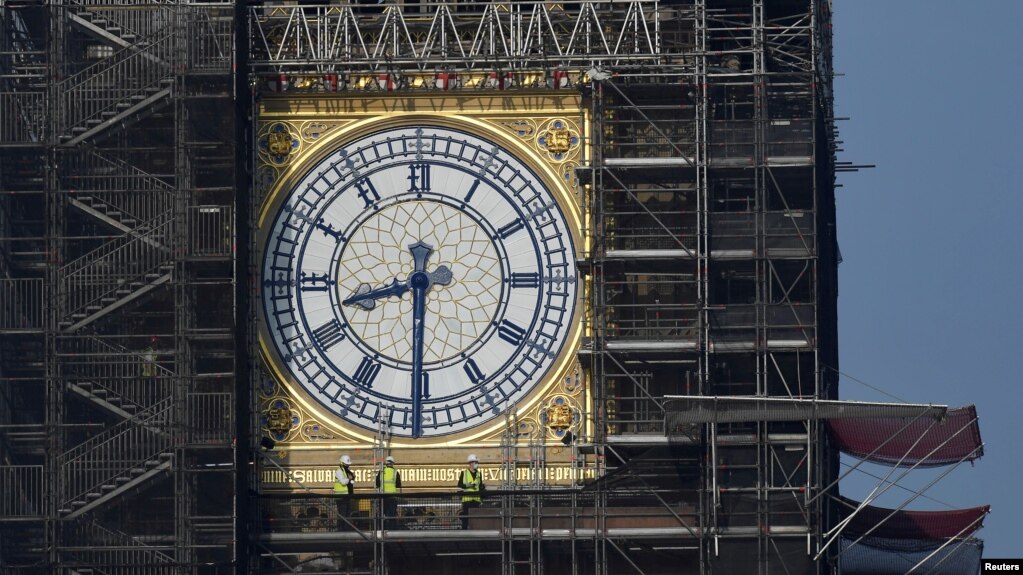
[{"x": 543, "y": 131}]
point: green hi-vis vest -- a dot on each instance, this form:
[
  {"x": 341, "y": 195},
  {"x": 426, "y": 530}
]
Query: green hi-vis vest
[
  {"x": 472, "y": 485},
  {"x": 387, "y": 480}
]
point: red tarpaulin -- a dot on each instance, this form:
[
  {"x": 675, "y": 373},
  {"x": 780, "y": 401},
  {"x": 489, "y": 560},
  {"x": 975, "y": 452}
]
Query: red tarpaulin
[
  {"x": 955, "y": 438},
  {"x": 912, "y": 524}
]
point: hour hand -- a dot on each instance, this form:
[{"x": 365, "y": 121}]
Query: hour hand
[
  {"x": 441, "y": 276},
  {"x": 365, "y": 297}
]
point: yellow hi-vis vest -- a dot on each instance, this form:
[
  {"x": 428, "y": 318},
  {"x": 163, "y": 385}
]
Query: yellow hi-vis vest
[
  {"x": 341, "y": 489},
  {"x": 387, "y": 480},
  {"x": 472, "y": 485}
]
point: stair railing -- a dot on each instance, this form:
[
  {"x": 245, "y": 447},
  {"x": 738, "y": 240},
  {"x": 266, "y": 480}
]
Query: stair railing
[
  {"x": 120, "y": 372},
  {"x": 128, "y": 77},
  {"x": 105, "y": 546},
  {"x": 123, "y": 451},
  {"x": 139, "y": 19},
  {"x": 124, "y": 191},
  {"x": 115, "y": 269}
]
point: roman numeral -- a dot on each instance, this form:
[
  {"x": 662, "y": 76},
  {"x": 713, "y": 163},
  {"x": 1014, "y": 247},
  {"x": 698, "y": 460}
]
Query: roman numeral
[
  {"x": 516, "y": 225},
  {"x": 328, "y": 230},
  {"x": 418, "y": 178},
  {"x": 525, "y": 280},
  {"x": 472, "y": 190},
  {"x": 329, "y": 334},
  {"x": 314, "y": 282},
  {"x": 473, "y": 371},
  {"x": 366, "y": 189},
  {"x": 366, "y": 372},
  {"x": 510, "y": 332}
]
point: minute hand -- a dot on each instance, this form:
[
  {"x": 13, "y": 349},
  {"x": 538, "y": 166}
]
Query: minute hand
[{"x": 420, "y": 282}]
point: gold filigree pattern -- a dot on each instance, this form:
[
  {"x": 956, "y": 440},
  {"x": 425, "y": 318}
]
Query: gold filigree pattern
[
  {"x": 378, "y": 253},
  {"x": 573, "y": 382},
  {"x": 527, "y": 428},
  {"x": 314, "y": 130},
  {"x": 315, "y": 431},
  {"x": 522, "y": 128}
]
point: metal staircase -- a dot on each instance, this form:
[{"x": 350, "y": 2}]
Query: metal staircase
[
  {"x": 115, "y": 193},
  {"x": 119, "y": 459},
  {"x": 118, "y": 380},
  {"x": 115, "y": 274},
  {"x": 131, "y": 81},
  {"x": 112, "y": 24},
  {"x": 105, "y": 546}
]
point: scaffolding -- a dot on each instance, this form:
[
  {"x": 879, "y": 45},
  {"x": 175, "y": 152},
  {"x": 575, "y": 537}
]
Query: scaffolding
[
  {"x": 127, "y": 422},
  {"x": 116, "y": 283}
]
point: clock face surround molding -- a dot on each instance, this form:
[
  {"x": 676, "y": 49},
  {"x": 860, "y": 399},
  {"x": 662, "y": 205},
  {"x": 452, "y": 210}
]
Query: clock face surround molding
[{"x": 420, "y": 273}]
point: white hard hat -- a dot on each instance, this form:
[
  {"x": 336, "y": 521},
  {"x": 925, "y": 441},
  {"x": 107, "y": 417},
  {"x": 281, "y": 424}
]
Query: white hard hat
[
  {"x": 390, "y": 459},
  {"x": 473, "y": 458},
  {"x": 346, "y": 460}
]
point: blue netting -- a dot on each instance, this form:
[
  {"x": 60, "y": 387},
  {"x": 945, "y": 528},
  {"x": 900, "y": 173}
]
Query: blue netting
[{"x": 881, "y": 556}]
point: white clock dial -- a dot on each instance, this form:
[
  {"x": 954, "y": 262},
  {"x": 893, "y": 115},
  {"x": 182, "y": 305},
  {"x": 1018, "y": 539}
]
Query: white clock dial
[{"x": 423, "y": 276}]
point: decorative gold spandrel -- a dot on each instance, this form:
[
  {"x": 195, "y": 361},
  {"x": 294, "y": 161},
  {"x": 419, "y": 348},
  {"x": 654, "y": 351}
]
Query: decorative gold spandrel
[
  {"x": 277, "y": 143},
  {"x": 287, "y": 422},
  {"x": 558, "y": 137}
]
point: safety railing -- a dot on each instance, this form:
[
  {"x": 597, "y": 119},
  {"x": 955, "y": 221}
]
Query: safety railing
[
  {"x": 22, "y": 117},
  {"x": 21, "y": 491},
  {"x": 116, "y": 188},
  {"x": 565, "y": 509},
  {"x": 791, "y": 324},
  {"x": 791, "y": 233},
  {"x": 121, "y": 452},
  {"x": 732, "y": 141},
  {"x": 651, "y": 131},
  {"x": 115, "y": 270},
  {"x": 127, "y": 19},
  {"x": 210, "y": 231},
  {"x": 131, "y": 379},
  {"x": 211, "y": 39},
  {"x": 114, "y": 84},
  {"x": 21, "y": 304},
  {"x": 790, "y": 138},
  {"x": 210, "y": 418},
  {"x": 649, "y": 322},
  {"x": 103, "y": 547}
]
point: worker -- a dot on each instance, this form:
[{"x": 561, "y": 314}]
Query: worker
[
  {"x": 344, "y": 488},
  {"x": 149, "y": 358},
  {"x": 389, "y": 482},
  {"x": 471, "y": 483}
]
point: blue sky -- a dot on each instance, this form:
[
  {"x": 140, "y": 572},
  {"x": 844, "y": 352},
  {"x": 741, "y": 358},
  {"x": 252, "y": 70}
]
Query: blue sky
[{"x": 930, "y": 307}]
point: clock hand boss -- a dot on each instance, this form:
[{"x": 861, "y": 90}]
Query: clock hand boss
[{"x": 365, "y": 297}]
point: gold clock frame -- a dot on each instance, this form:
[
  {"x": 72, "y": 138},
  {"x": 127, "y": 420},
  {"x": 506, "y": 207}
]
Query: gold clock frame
[{"x": 545, "y": 131}]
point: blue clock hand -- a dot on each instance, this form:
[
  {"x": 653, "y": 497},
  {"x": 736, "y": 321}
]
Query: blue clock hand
[
  {"x": 420, "y": 282},
  {"x": 365, "y": 297}
]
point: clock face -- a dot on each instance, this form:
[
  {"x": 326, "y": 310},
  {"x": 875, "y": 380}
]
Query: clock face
[{"x": 422, "y": 277}]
